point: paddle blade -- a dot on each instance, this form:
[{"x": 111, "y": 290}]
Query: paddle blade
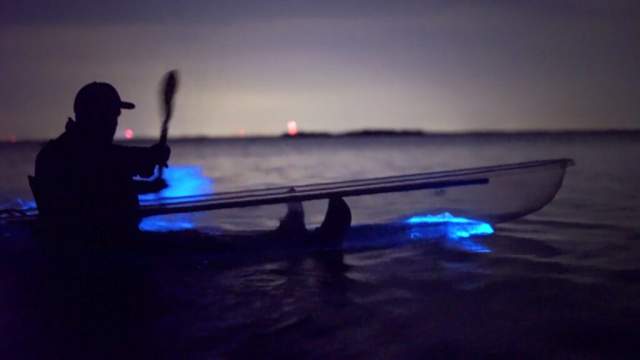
[{"x": 170, "y": 86}]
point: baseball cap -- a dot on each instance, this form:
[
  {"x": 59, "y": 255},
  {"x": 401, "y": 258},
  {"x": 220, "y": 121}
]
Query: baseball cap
[{"x": 99, "y": 97}]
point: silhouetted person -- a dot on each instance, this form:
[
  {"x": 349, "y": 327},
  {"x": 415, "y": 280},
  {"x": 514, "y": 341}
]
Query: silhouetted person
[{"x": 84, "y": 181}]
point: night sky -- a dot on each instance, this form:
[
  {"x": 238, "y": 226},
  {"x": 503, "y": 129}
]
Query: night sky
[{"x": 254, "y": 65}]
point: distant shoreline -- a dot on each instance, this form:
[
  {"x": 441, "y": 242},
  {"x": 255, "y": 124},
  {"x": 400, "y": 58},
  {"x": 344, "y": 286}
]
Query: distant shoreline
[
  {"x": 373, "y": 133},
  {"x": 383, "y": 132}
]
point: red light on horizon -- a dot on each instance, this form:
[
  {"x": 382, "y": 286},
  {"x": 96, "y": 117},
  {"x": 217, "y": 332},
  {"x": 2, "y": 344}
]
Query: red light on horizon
[
  {"x": 292, "y": 128},
  {"x": 128, "y": 134}
]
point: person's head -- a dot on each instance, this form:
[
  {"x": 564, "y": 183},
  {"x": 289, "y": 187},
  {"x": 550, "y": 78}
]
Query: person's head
[{"x": 97, "y": 107}]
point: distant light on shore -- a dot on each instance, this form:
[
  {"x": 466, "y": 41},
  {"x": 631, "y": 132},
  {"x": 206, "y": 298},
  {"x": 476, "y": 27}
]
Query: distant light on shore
[
  {"x": 292, "y": 128},
  {"x": 128, "y": 134}
]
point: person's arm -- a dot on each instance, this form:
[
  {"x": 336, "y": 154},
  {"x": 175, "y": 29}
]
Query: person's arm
[
  {"x": 148, "y": 187},
  {"x": 141, "y": 161}
]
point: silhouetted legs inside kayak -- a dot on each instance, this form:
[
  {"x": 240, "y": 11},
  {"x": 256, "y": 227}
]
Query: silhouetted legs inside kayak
[
  {"x": 333, "y": 229},
  {"x": 292, "y": 224},
  {"x": 336, "y": 222}
]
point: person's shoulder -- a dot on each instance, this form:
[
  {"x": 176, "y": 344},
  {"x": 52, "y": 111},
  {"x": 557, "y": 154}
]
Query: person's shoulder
[
  {"x": 53, "y": 149},
  {"x": 47, "y": 149},
  {"x": 46, "y": 159},
  {"x": 52, "y": 145}
]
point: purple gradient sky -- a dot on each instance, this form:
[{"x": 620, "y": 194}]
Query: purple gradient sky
[{"x": 329, "y": 65}]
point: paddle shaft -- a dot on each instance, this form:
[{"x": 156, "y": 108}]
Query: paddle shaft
[
  {"x": 165, "y": 126},
  {"x": 169, "y": 88}
]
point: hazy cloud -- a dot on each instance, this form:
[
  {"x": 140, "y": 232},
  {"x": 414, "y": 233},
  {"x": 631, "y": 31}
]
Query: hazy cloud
[{"x": 436, "y": 65}]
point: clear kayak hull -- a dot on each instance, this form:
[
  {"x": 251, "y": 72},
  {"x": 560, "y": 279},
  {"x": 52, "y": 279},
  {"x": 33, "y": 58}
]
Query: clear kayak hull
[
  {"x": 512, "y": 191},
  {"x": 492, "y": 194}
]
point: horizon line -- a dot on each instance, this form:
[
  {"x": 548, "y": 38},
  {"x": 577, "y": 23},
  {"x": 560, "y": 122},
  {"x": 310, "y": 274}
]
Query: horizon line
[{"x": 366, "y": 132}]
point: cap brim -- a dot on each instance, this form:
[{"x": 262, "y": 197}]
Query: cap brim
[{"x": 127, "y": 105}]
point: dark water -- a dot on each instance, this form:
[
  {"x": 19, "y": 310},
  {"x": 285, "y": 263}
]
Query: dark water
[{"x": 560, "y": 283}]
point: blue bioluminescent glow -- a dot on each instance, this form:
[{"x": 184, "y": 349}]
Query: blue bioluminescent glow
[
  {"x": 182, "y": 180},
  {"x": 17, "y": 207},
  {"x": 458, "y": 226},
  {"x": 26, "y": 204},
  {"x": 165, "y": 223},
  {"x": 458, "y": 230}
]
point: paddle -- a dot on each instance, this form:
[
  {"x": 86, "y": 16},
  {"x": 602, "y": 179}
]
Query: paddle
[{"x": 168, "y": 92}]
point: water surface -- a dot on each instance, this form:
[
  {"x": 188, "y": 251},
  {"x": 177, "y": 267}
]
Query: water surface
[{"x": 562, "y": 282}]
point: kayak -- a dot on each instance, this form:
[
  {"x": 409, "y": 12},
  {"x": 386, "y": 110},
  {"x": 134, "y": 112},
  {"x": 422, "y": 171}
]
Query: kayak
[{"x": 492, "y": 194}]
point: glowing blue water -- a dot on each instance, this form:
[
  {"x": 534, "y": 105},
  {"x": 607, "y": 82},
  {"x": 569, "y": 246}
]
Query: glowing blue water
[
  {"x": 182, "y": 180},
  {"x": 25, "y": 204},
  {"x": 457, "y": 227},
  {"x": 459, "y": 231},
  {"x": 167, "y": 223}
]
